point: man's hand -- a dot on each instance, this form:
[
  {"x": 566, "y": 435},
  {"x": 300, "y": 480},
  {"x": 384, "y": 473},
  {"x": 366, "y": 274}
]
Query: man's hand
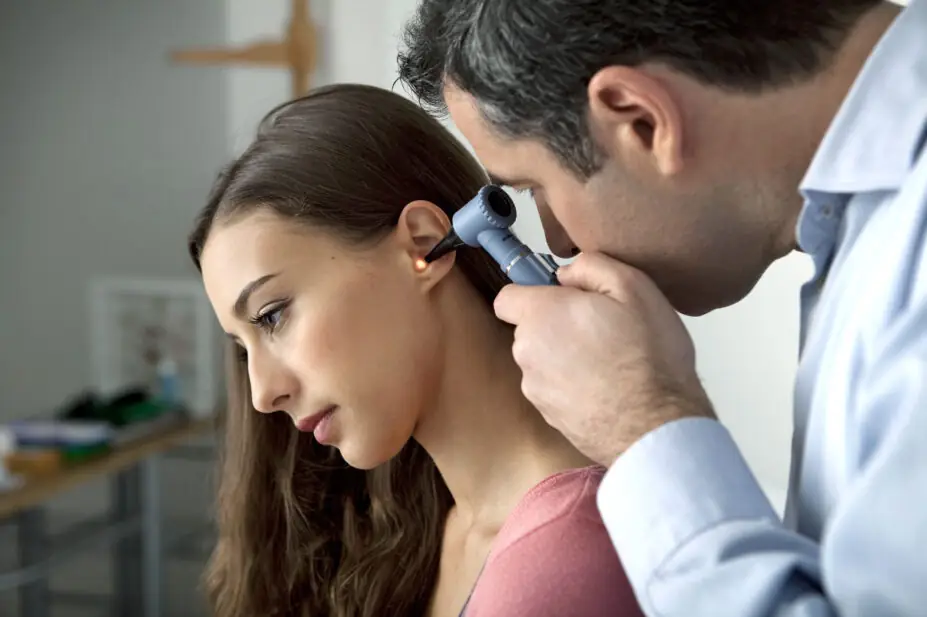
[{"x": 604, "y": 357}]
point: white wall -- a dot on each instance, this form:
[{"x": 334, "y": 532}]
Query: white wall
[
  {"x": 100, "y": 174},
  {"x": 106, "y": 152}
]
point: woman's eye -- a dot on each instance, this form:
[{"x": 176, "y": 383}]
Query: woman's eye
[{"x": 269, "y": 319}]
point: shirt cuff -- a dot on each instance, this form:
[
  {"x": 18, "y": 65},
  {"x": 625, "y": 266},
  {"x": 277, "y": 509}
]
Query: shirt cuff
[{"x": 674, "y": 483}]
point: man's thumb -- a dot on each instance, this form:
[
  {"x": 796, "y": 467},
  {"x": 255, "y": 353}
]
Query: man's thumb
[{"x": 598, "y": 273}]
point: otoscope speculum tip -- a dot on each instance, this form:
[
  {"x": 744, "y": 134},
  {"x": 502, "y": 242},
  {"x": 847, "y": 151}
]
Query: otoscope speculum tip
[{"x": 449, "y": 243}]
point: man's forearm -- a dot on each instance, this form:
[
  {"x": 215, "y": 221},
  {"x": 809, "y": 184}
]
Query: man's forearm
[{"x": 697, "y": 535}]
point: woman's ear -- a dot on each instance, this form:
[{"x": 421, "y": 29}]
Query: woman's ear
[{"x": 421, "y": 226}]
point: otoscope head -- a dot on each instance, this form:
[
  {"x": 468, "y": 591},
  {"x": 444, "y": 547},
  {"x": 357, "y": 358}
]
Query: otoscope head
[
  {"x": 492, "y": 208},
  {"x": 484, "y": 222}
]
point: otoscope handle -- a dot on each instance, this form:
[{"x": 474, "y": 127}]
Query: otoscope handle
[
  {"x": 519, "y": 263},
  {"x": 533, "y": 269}
]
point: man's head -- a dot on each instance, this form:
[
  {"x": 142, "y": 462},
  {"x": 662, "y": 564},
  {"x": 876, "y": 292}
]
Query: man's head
[{"x": 671, "y": 135}]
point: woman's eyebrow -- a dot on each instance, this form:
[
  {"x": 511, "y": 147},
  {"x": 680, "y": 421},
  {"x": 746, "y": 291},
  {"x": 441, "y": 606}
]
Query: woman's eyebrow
[{"x": 242, "y": 302}]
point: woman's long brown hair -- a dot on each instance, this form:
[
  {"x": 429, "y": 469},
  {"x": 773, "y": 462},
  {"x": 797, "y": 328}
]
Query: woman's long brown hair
[{"x": 300, "y": 532}]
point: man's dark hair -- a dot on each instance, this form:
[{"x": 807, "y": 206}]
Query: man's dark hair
[{"x": 528, "y": 62}]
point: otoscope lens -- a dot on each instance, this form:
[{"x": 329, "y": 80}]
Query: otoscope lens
[{"x": 500, "y": 202}]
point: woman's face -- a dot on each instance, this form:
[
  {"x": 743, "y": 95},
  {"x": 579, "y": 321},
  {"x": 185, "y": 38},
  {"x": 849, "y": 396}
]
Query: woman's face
[{"x": 329, "y": 331}]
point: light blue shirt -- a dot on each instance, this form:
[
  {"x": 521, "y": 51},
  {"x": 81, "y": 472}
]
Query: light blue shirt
[{"x": 690, "y": 523}]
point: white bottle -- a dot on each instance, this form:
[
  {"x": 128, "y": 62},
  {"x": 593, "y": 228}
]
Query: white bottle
[
  {"x": 168, "y": 381},
  {"x": 7, "y": 446}
]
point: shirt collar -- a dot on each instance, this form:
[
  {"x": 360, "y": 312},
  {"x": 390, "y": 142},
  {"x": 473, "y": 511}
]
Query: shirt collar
[{"x": 880, "y": 127}]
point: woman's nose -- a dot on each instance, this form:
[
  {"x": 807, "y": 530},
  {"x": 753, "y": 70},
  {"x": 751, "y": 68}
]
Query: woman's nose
[{"x": 272, "y": 386}]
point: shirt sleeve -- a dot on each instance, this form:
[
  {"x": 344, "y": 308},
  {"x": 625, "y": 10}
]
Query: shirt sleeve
[
  {"x": 698, "y": 537},
  {"x": 558, "y": 570}
]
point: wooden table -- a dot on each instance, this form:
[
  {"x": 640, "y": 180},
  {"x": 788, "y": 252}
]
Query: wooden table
[{"x": 132, "y": 525}]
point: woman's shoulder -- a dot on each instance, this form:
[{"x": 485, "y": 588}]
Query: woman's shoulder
[
  {"x": 553, "y": 556},
  {"x": 568, "y": 495}
]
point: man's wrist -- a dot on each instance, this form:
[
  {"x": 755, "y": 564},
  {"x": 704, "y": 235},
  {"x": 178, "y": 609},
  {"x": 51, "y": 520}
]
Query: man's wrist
[{"x": 661, "y": 408}]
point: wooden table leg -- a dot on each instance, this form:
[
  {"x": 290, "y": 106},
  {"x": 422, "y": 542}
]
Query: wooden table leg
[
  {"x": 127, "y": 592},
  {"x": 138, "y": 560},
  {"x": 152, "y": 545},
  {"x": 32, "y": 529}
]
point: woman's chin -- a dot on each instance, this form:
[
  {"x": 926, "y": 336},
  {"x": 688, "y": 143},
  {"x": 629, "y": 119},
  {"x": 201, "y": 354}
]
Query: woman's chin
[
  {"x": 361, "y": 458},
  {"x": 356, "y": 458}
]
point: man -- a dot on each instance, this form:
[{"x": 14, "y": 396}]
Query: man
[{"x": 682, "y": 147}]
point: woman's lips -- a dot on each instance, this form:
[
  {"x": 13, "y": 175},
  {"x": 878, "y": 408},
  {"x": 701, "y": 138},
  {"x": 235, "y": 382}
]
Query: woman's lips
[{"x": 319, "y": 424}]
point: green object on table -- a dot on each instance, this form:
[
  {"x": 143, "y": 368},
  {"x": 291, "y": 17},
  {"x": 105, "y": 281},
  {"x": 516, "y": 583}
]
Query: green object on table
[
  {"x": 138, "y": 412},
  {"x": 79, "y": 454},
  {"x": 132, "y": 406}
]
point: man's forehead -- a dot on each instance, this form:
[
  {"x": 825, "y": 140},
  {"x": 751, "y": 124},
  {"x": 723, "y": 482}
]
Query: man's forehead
[
  {"x": 504, "y": 159},
  {"x": 465, "y": 114}
]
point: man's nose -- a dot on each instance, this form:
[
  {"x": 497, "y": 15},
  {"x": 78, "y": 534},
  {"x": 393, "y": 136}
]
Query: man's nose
[
  {"x": 272, "y": 385},
  {"x": 557, "y": 238}
]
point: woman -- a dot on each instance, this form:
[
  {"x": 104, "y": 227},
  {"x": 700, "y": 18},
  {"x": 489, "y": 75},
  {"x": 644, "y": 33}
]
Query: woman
[{"x": 395, "y": 467}]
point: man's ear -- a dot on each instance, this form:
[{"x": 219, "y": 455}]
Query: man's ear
[
  {"x": 636, "y": 118},
  {"x": 421, "y": 226}
]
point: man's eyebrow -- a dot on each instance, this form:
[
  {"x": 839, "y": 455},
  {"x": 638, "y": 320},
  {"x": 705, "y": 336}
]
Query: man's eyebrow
[
  {"x": 242, "y": 302},
  {"x": 494, "y": 179}
]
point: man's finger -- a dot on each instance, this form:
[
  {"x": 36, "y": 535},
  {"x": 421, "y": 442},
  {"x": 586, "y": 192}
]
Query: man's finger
[
  {"x": 514, "y": 301},
  {"x": 601, "y": 274},
  {"x": 510, "y": 303}
]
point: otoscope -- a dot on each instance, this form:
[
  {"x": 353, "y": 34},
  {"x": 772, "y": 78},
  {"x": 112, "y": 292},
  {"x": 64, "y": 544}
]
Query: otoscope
[{"x": 484, "y": 222}]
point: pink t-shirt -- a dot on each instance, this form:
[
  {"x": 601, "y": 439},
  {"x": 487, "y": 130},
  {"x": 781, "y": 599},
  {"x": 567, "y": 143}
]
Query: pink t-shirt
[{"x": 553, "y": 557}]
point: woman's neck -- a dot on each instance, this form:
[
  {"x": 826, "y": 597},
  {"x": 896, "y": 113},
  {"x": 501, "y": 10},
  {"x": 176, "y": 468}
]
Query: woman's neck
[{"x": 489, "y": 444}]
